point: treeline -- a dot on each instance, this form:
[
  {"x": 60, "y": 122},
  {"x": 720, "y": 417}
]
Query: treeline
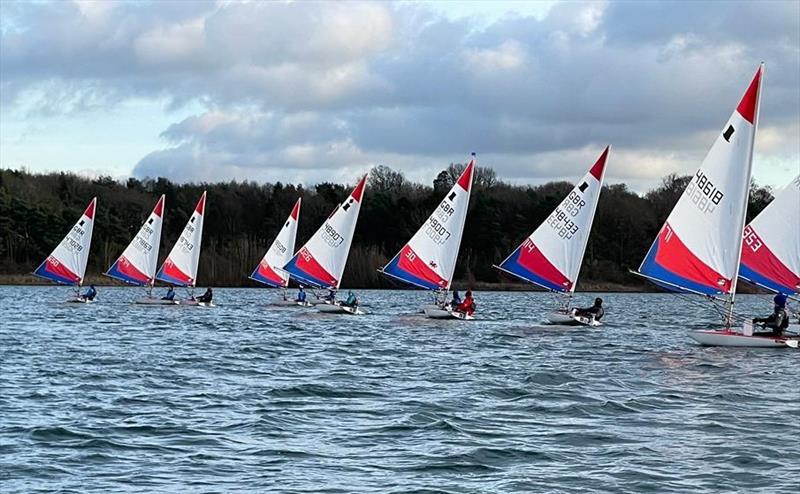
[{"x": 242, "y": 219}]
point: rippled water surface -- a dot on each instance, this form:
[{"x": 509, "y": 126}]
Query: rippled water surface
[{"x": 243, "y": 397}]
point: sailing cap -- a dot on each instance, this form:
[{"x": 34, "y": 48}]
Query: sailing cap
[{"x": 780, "y": 300}]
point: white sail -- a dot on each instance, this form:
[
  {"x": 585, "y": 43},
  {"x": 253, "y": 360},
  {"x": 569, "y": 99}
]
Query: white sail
[
  {"x": 552, "y": 255},
  {"x": 138, "y": 262},
  {"x": 771, "y": 243},
  {"x": 699, "y": 246},
  {"x": 428, "y": 260},
  {"x": 270, "y": 270},
  {"x": 180, "y": 267},
  {"x": 67, "y": 263},
  {"x": 321, "y": 261}
]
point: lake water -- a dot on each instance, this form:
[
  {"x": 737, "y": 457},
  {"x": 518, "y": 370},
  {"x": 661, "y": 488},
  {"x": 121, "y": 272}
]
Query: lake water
[{"x": 242, "y": 397}]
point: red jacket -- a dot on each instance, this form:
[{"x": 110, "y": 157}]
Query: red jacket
[{"x": 467, "y": 306}]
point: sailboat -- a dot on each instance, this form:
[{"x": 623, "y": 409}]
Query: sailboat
[
  {"x": 551, "y": 257},
  {"x": 270, "y": 270},
  {"x": 180, "y": 266},
  {"x": 137, "y": 264},
  {"x": 699, "y": 247},
  {"x": 66, "y": 265},
  {"x": 321, "y": 261},
  {"x": 771, "y": 246},
  {"x": 428, "y": 260}
]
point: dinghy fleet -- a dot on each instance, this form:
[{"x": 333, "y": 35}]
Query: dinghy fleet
[{"x": 701, "y": 251}]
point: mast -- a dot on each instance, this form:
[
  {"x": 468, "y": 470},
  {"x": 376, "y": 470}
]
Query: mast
[
  {"x": 461, "y": 235},
  {"x": 743, "y": 221}
]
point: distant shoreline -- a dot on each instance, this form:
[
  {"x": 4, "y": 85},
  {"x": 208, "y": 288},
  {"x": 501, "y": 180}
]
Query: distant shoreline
[{"x": 30, "y": 280}]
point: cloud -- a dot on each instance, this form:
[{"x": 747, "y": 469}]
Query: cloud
[{"x": 312, "y": 91}]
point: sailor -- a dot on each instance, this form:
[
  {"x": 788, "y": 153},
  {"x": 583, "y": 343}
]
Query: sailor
[
  {"x": 468, "y": 305},
  {"x": 206, "y": 297},
  {"x": 352, "y": 300},
  {"x": 775, "y": 322},
  {"x": 456, "y": 299},
  {"x": 301, "y": 295},
  {"x": 331, "y": 296},
  {"x": 90, "y": 294},
  {"x": 596, "y": 311},
  {"x": 170, "y": 295}
]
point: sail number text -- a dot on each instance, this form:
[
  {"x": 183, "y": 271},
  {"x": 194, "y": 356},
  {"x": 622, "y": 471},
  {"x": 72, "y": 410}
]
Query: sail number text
[
  {"x": 703, "y": 193},
  {"x": 751, "y": 239}
]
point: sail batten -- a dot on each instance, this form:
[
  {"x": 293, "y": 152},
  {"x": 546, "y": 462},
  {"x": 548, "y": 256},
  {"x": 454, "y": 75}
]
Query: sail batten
[{"x": 428, "y": 260}]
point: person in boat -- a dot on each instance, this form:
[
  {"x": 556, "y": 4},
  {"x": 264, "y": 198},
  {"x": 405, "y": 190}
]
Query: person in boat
[
  {"x": 331, "y": 296},
  {"x": 776, "y": 322},
  {"x": 90, "y": 294},
  {"x": 456, "y": 299},
  {"x": 468, "y": 305},
  {"x": 596, "y": 311},
  {"x": 170, "y": 295},
  {"x": 301, "y": 295},
  {"x": 352, "y": 300},
  {"x": 207, "y": 296}
]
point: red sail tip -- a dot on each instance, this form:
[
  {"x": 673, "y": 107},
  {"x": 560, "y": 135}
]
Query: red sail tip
[
  {"x": 159, "y": 209},
  {"x": 465, "y": 180},
  {"x": 747, "y": 107},
  {"x": 599, "y": 166},
  {"x": 296, "y": 209},
  {"x": 359, "y": 190},
  {"x": 201, "y": 204},
  {"x": 89, "y": 213}
]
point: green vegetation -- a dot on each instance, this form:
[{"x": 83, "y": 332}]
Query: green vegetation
[{"x": 243, "y": 218}]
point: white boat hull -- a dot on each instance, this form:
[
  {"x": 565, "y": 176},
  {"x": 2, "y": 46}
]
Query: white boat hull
[
  {"x": 80, "y": 300},
  {"x": 154, "y": 301},
  {"x": 436, "y": 312},
  {"x": 291, "y": 303},
  {"x": 731, "y": 338},
  {"x": 570, "y": 319},
  {"x": 196, "y": 303},
  {"x": 339, "y": 309}
]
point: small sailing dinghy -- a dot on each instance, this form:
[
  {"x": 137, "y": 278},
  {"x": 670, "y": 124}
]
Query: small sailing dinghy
[
  {"x": 180, "y": 266},
  {"x": 66, "y": 265},
  {"x": 551, "y": 257},
  {"x": 138, "y": 262},
  {"x": 698, "y": 249},
  {"x": 270, "y": 270},
  {"x": 321, "y": 261},
  {"x": 771, "y": 247},
  {"x": 428, "y": 260}
]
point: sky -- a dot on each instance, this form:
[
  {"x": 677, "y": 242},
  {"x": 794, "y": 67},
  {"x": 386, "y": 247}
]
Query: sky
[{"x": 323, "y": 91}]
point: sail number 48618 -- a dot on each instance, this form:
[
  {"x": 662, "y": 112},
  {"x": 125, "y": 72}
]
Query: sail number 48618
[{"x": 703, "y": 193}]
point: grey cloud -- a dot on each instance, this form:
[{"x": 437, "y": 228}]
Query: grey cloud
[{"x": 294, "y": 87}]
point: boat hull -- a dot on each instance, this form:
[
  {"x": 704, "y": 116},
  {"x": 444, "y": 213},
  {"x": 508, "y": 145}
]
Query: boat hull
[
  {"x": 196, "y": 303},
  {"x": 154, "y": 301},
  {"x": 436, "y": 312},
  {"x": 734, "y": 339},
  {"x": 291, "y": 303},
  {"x": 570, "y": 319},
  {"x": 339, "y": 309},
  {"x": 79, "y": 300}
]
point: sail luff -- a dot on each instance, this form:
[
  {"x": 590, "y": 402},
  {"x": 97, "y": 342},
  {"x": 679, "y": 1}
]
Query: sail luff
[
  {"x": 603, "y": 158},
  {"x": 743, "y": 221}
]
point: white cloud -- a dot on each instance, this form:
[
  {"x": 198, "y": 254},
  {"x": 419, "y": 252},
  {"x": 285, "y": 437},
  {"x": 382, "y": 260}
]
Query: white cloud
[{"x": 311, "y": 91}]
